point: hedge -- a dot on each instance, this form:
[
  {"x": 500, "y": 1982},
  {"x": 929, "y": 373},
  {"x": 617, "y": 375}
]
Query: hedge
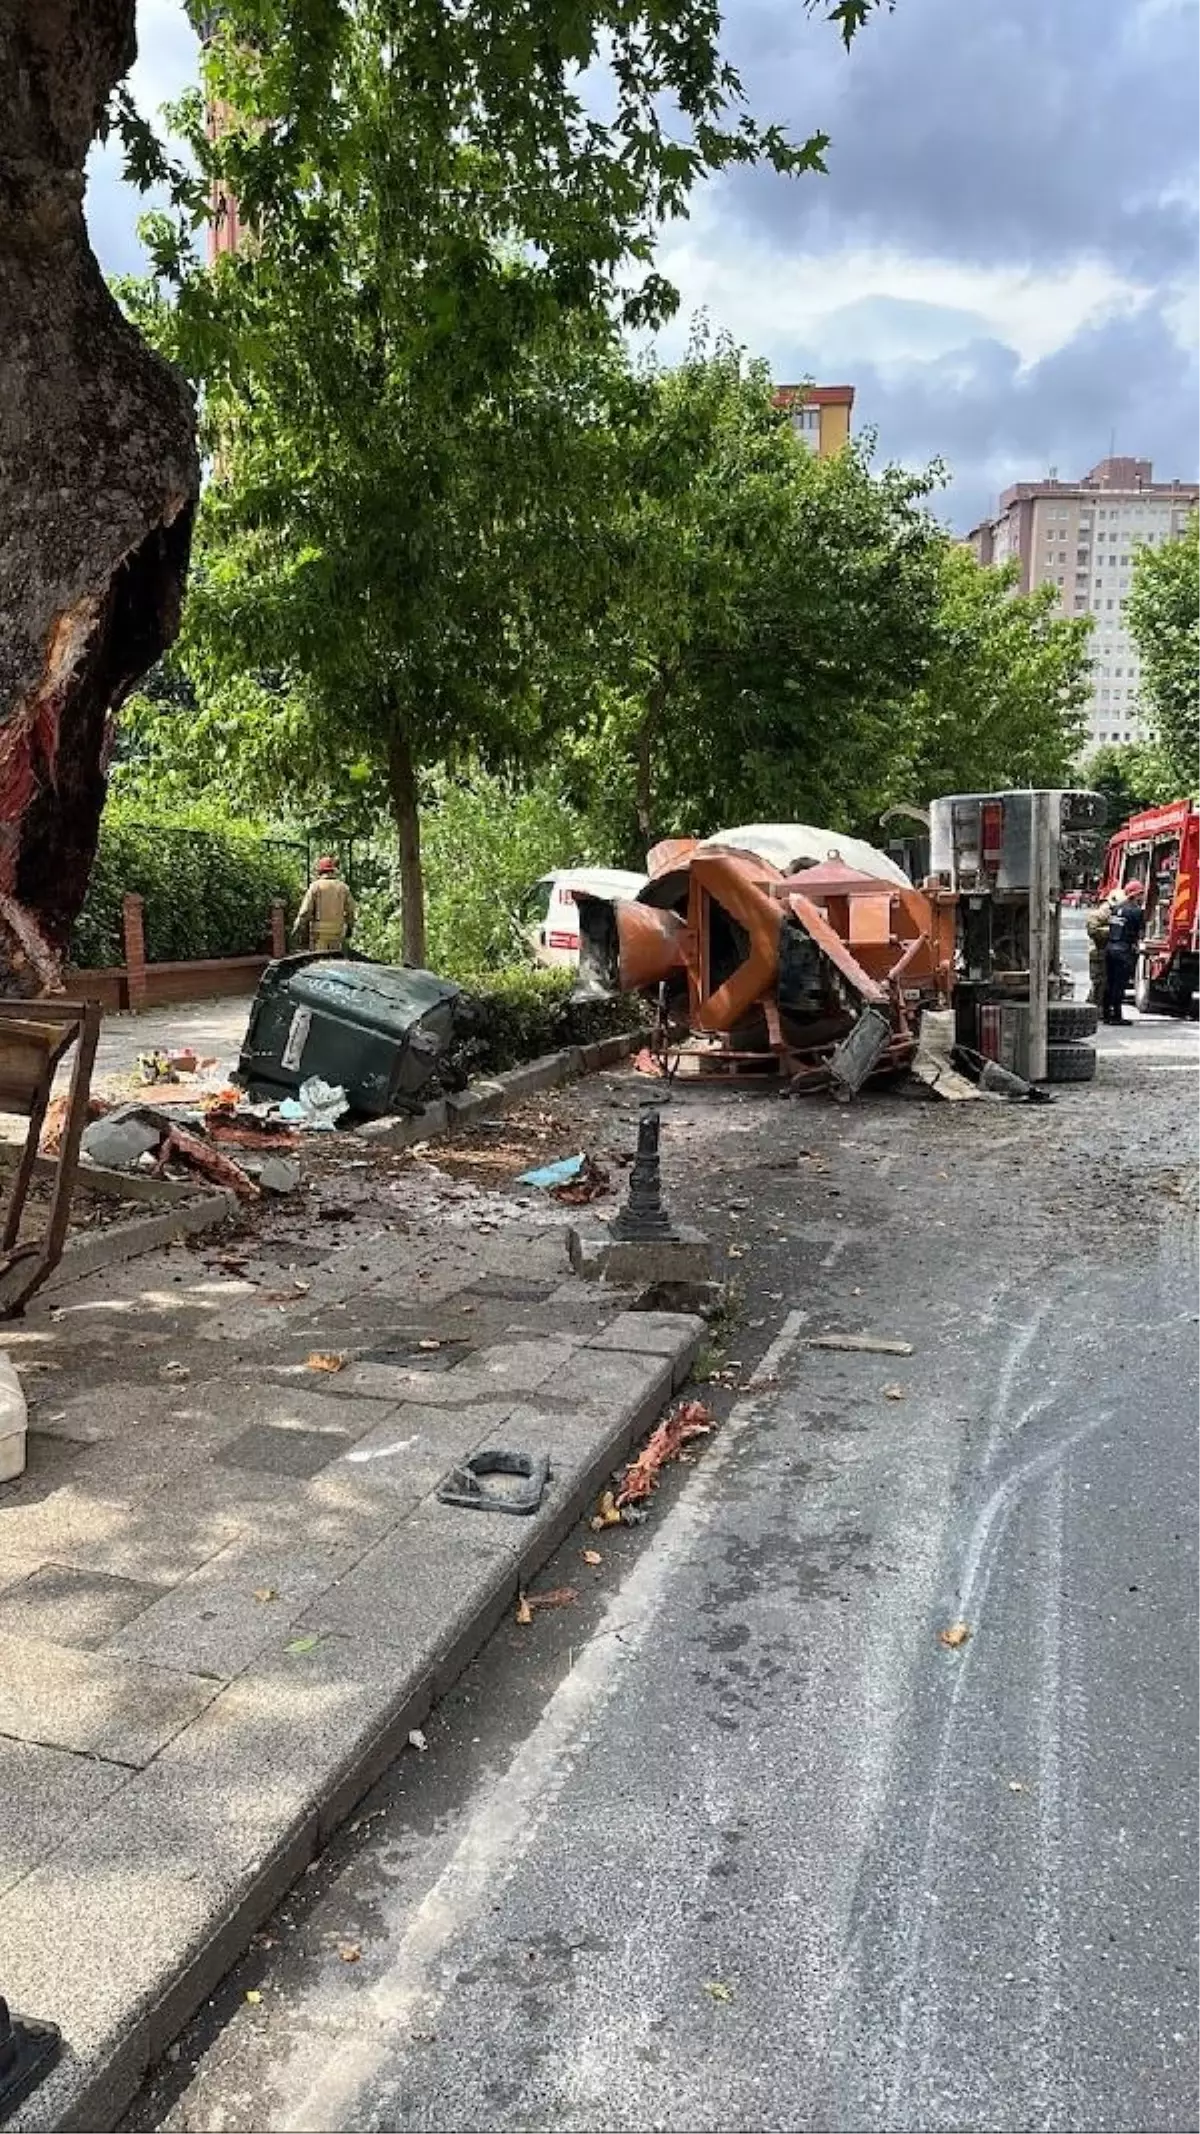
[
  {"x": 206, "y": 892},
  {"x": 524, "y": 1013}
]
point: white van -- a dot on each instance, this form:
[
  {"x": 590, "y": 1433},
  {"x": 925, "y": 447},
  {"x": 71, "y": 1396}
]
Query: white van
[{"x": 549, "y": 918}]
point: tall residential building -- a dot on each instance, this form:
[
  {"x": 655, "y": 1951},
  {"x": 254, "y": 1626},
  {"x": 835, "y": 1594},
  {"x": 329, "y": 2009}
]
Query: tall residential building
[
  {"x": 820, "y": 414},
  {"x": 1080, "y": 537}
]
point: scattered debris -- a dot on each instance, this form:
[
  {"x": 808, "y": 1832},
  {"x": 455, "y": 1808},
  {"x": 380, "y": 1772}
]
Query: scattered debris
[
  {"x": 265, "y": 1593},
  {"x": 304, "y": 1644},
  {"x": 320, "y": 1360},
  {"x": 718, "y": 1990},
  {"x": 606, "y": 1513},
  {"x": 155, "y": 1067},
  {"x": 278, "y": 1176},
  {"x": 202, "y": 1157},
  {"x": 178, "y": 1371},
  {"x": 895, "y": 1392},
  {"x": 870, "y": 1344},
  {"x": 318, "y": 1106},
  {"x": 557, "y": 1597},
  {"x": 417, "y": 1741},
  {"x": 349, "y": 1952},
  {"x": 253, "y": 1996},
  {"x": 690, "y": 1420},
  {"x": 117, "y": 1140},
  {"x": 593, "y": 1557},
  {"x": 550, "y": 1175},
  {"x": 591, "y": 1181},
  {"x": 956, "y": 1635}
]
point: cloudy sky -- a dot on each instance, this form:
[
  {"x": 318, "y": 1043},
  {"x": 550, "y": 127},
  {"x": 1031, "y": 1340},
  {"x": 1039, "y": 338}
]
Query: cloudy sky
[{"x": 1002, "y": 259}]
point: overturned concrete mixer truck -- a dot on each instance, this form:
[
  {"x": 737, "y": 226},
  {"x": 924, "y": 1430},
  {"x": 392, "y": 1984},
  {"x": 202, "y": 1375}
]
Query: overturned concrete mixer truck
[{"x": 792, "y": 948}]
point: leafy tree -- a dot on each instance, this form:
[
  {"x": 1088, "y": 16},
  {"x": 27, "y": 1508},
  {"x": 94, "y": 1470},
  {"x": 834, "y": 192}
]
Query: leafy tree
[
  {"x": 1164, "y": 620},
  {"x": 767, "y": 606},
  {"x": 1132, "y": 775},
  {"x": 1002, "y": 702}
]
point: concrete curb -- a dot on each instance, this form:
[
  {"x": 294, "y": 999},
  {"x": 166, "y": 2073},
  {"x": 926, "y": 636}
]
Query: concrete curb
[
  {"x": 484, "y": 1099},
  {"x": 320, "y": 1776},
  {"x": 106, "y": 1184},
  {"x": 190, "y": 1216}
]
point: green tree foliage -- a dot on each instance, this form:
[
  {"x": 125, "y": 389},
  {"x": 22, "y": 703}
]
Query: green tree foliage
[
  {"x": 1132, "y": 775},
  {"x": 1003, "y": 698},
  {"x": 408, "y": 363},
  {"x": 487, "y": 840},
  {"x": 1164, "y": 620},
  {"x": 207, "y": 888}
]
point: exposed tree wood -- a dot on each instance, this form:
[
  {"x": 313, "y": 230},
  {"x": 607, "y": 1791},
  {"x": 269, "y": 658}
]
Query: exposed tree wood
[{"x": 98, "y": 479}]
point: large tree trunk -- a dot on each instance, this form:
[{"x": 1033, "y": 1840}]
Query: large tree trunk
[
  {"x": 98, "y": 480},
  {"x": 402, "y": 785}
]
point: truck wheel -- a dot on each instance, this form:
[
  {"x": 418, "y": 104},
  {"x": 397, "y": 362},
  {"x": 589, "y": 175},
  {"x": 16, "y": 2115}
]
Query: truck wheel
[
  {"x": 1143, "y": 992},
  {"x": 1070, "y": 1019},
  {"x": 1070, "y": 1063}
]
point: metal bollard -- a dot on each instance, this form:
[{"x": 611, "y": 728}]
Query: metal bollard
[{"x": 644, "y": 1213}]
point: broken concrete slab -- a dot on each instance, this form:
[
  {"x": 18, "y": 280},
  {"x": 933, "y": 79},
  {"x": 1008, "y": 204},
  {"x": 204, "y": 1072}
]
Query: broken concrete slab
[
  {"x": 638, "y": 1263},
  {"x": 116, "y": 1141}
]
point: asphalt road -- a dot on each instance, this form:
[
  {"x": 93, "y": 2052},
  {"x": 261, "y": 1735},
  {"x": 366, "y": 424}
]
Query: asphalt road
[{"x": 737, "y": 1841}]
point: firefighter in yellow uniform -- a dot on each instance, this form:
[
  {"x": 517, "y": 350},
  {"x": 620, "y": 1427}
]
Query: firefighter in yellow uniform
[{"x": 328, "y": 911}]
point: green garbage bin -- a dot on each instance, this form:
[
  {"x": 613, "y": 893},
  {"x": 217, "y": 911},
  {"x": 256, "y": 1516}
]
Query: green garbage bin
[{"x": 378, "y": 1031}]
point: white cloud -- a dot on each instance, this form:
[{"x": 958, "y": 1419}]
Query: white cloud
[{"x": 776, "y": 303}]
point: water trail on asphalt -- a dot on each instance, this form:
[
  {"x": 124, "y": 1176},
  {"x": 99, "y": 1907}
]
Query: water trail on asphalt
[{"x": 509, "y": 1813}]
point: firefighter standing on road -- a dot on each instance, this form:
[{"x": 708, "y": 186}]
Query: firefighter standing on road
[
  {"x": 1125, "y": 924},
  {"x": 1097, "y": 933},
  {"x": 328, "y": 911}
]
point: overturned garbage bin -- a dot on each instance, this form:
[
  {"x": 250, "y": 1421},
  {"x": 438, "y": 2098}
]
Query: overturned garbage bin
[{"x": 380, "y": 1032}]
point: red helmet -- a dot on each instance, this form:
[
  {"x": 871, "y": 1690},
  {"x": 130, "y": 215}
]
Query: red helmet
[
  {"x": 1134, "y": 889},
  {"x": 326, "y": 865}
]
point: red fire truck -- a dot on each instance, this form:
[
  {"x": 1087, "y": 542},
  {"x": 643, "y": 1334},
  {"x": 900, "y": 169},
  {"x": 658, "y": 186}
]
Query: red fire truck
[{"x": 1161, "y": 848}]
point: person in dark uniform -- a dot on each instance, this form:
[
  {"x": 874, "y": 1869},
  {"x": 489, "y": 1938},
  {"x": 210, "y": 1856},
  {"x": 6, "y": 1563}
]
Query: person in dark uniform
[{"x": 1125, "y": 924}]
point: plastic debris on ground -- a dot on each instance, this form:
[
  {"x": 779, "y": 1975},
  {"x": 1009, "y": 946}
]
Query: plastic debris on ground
[
  {"x": 318, "y": 1107},
  {"x": 549, "y": 1175}
]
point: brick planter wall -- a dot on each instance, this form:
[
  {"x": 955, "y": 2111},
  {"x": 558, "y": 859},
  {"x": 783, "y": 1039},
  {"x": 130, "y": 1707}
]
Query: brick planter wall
[{"x": 136, "y": 984}]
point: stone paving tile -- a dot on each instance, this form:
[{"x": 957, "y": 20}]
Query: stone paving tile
[
  {"x": 46, "y": 1795},
  {"x": 98, "y": 1413},
  {"x": 65, "y": 1606},
  {"x": 235, "y": 1607},
  {"x": 267, "y": 1449},
  {"x": 155, "y": 1538},
  {"x": 512, "y": 1367},
  {"x": 416, "y": 1589},
  {"x": 92, "y": 1703},
  {"x": 415, "y": 1449}
]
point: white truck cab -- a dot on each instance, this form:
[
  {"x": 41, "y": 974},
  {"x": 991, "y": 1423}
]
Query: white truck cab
[{"x": 550, "y": 917}]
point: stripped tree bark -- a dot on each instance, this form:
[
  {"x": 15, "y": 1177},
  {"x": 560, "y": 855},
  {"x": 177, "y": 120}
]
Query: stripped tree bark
[{"x": 98, "y": 480}]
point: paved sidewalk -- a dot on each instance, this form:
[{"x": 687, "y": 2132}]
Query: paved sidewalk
[{"x": 227, "y": 1589}]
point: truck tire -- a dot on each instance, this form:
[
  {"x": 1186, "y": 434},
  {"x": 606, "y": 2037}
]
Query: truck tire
[
  {"x": 1070, "y": 1063},
  {"x": 1070, "y": 1019}
]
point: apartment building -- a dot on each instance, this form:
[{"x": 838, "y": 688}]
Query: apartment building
[
  {"x": 820, "y": 414},
  {"x": 1081, "y": 538}
]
